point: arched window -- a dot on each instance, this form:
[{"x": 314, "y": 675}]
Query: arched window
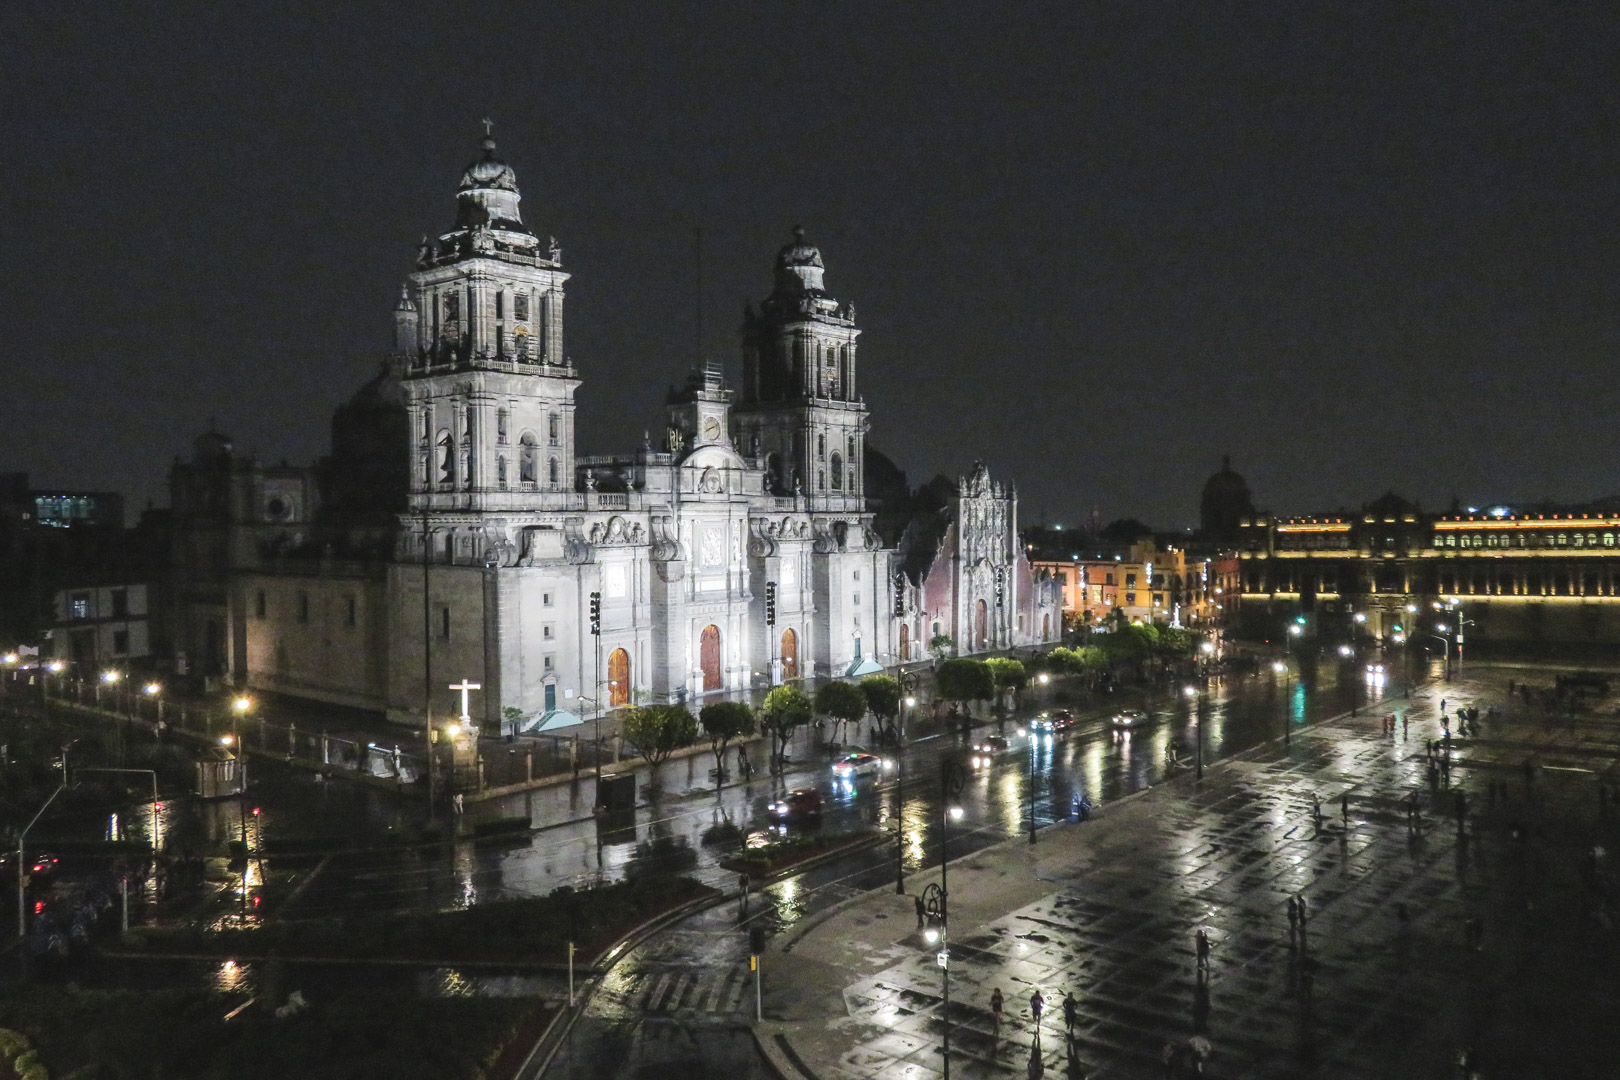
[
  {"x": 551, "y": 429},
  {"x": 500, "y": 471},
  {"x": 500, "y": 426},
  {"x": 551, "y": 471},
  {"x": 837, "y": 471},
  {"x": 528, "y": 460}
]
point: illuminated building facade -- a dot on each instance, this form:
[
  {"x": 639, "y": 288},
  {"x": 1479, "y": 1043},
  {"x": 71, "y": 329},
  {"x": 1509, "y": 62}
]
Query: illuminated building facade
[{"x": 1550, "y": 576}]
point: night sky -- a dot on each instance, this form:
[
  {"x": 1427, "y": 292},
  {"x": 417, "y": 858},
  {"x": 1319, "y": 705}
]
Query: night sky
[{"x": 1358, "y": 247}]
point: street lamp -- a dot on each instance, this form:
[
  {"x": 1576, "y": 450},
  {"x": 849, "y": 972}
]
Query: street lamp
[
  {"x": 109, "y": 678},
  {"x": 155, "y": 692},
  {"x": 1033, "y": 740},
  {"x": 909, "y": 702},
  {"x": 951, "y": 781},
  {"x": 1280, "y": 668},
  {"x": 1194, "y": 701}
]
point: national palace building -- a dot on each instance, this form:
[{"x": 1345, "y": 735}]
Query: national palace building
[{"x": 1518, "y": 575}]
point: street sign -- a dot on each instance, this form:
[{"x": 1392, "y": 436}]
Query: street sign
[{"x": 943, "y": 959}]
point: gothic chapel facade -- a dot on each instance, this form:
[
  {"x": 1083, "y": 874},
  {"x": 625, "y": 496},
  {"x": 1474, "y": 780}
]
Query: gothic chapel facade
[{"x": 509, "y": 533}]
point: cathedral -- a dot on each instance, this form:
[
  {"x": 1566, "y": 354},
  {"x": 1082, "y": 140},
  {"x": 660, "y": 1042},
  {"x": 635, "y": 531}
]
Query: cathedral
[{"x": 736, "y": 549}]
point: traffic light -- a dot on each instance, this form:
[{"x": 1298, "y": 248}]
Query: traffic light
[
  {"x": 756, "y": 940},
  {"x": 596, "y": 613},
  {"x": 770, "y": 603}
]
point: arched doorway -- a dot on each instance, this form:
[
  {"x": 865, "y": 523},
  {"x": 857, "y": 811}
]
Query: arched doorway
[
  {"x": 790, "y": 655},
  {"x": 981, "y": 626},
  {"x": 618, "y": 678},
  {"x": 710, "y": 643},
  {"x": 905, "y": 643}
]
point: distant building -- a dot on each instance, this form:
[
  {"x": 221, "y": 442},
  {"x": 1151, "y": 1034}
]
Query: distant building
[
  {"x": 1519, "y": 576},
  {"x": 1145, "y": 582},
  {"x": 101, "y": 626}
]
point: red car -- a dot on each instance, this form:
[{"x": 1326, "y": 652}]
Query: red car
[{"x": 798, "y": 805}]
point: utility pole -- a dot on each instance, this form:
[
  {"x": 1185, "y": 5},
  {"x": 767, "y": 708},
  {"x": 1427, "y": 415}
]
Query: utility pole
[{"x": 427, "y": 654}]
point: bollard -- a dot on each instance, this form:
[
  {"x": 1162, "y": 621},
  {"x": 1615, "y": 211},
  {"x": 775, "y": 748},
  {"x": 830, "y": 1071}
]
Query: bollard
[{"x": 528, "y": 764}]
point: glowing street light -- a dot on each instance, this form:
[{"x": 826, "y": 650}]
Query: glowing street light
[{"x": 1345, "y": 650}]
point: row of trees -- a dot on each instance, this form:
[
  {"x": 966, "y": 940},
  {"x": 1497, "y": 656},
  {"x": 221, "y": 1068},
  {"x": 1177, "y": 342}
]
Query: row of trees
[{"x": 657, "y": 731}]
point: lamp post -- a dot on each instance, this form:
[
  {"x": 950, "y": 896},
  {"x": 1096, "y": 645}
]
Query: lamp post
[
  {"x": 1032, "y": 742},
  {"x": 155, "y": 692},
  {"x": 907, "y": 704},
  {"x": 109, "y": 678},
  {"x": 239, "y": 709},
  {"x": 1195, "y": 704},
  {"x": 1280, "y": 668},
  {"x": 951, "y": 782}
]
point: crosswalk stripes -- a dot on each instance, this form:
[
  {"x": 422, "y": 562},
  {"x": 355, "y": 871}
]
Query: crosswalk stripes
[{"x": 701, "y": 990}]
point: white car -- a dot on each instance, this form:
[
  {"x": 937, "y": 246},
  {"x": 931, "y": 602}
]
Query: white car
[
  {"x": 1129, "y": 720},
  {"x": 859, "y": 763}
]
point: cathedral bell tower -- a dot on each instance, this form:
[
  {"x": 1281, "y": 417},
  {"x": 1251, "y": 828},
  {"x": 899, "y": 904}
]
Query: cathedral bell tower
[
  {"x": 800, "y": 413},
  {"x": 479, "y": 346}
]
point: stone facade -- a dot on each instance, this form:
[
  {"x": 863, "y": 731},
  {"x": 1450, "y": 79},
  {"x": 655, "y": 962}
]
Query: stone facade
[{"x": 735, "y": 551}]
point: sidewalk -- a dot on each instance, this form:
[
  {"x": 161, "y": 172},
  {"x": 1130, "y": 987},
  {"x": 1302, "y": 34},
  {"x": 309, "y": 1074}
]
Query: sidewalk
[{"x": 1108, "y": 910}]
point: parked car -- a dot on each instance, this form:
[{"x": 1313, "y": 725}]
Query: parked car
[
  {"x": 801, "y": 805},
  {"x": 1128, "y": 720},
  {"x": 858, "y": 763}
]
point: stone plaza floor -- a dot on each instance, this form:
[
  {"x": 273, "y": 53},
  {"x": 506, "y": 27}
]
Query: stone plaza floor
[{"x": 1382, "y": 982}]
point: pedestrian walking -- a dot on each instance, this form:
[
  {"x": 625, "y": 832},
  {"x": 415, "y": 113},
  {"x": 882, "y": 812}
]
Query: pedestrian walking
[
  {"x": 1299, "y": 898},
  {"x": 1403, "y": 725},
  {"x": 1316, "y": 810},
  {"x": 1201, "y": 940},
  {"x": 1344, "y": 807},
  {"x": 742, "y": 888},
  {"x": 996, "y": 1006},
  {"x": 1037, "y": 1005},
  {"x": 920, "y": 912},
  {"x": 1071, "y": 1009},
  {"x": 1442, "y": 706},
  {"x": 1293, "y": 918}
]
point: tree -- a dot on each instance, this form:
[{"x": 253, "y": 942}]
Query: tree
[
  {"x": 784, "y": 710},
  {"x": 1009, "y": 674},
  {"x": 883, "y": 698},
  {"x": 514, "y": 717},
  {"x": 965, "y": 681},
  {"x": 842, "y": 701},
  {"x": 657, "y": 731},
  {"x": 941, "y": 645},
  {"x": 723, "y": 721}
]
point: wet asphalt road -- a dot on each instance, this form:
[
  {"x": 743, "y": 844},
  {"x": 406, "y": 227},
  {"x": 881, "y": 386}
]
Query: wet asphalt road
[{"x": 572, "y": 848}]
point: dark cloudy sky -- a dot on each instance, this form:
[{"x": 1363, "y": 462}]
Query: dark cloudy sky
[{"x": 1359, "y": 246}]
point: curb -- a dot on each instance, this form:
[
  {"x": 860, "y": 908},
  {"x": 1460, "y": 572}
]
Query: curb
[
  {"x": 779, "y": 1054},
  {"x": 862, "y": 841}
]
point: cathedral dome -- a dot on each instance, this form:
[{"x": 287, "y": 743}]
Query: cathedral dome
[
  {"x": 1225, "y": 502},
  {"x": 799, "y": 268},
  {"x": 488, "y": 195},
  {"x": 489, "y": 171}
]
